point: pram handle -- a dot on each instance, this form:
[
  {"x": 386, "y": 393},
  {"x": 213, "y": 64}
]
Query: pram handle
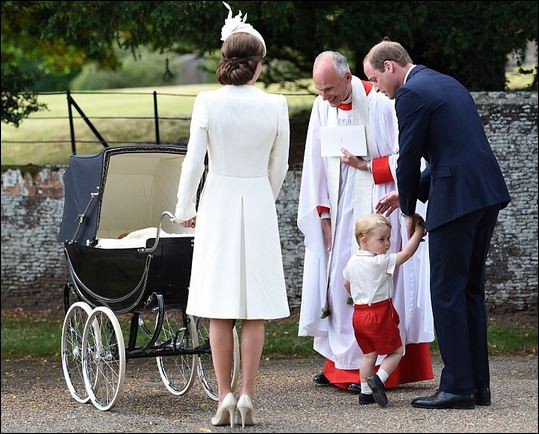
[{"x": 156, "y": 242}]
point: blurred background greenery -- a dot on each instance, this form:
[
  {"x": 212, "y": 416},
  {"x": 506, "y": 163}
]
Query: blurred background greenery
[
  {"x": 50, "y": 46},
  {"x": 173, "y": 48}
]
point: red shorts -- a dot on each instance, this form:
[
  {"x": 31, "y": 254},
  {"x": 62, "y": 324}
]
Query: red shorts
[{"x": 376, "y": 327}]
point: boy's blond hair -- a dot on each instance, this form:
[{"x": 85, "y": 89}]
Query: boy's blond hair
[{"x": 365, "y": 224}]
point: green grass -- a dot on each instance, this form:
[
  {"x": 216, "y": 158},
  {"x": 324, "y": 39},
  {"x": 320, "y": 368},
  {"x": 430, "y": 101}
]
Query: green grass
[
  {"x": 282, "y": 340},
  {"x": 506, "y": 339},
  {"x": 35, "y": 337},
  {"x": 26, "y": 336},
  {"x": 126, "y": 104}
]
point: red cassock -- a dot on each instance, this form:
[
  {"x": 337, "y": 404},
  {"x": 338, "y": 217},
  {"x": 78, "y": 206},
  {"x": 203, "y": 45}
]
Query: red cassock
[{"x": 414, "y": 366}]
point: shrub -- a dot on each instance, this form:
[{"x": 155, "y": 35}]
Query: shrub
[{"x": 146, "y": 71}]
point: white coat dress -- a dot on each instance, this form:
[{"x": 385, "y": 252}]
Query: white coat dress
[{"x": 237, "y": 269}]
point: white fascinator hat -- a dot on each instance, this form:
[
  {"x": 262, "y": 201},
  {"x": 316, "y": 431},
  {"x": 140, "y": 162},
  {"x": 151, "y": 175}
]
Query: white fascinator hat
[{"x": 236, "y": 25}]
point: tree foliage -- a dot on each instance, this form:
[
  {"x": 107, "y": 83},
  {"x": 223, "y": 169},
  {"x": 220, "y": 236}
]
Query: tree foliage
[
  {"x": 469, "y": 40},
  {"x": 17, "y": 103}
]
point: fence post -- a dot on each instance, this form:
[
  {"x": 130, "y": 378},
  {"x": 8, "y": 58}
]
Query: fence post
[
  {"x": 85, "y": 118},
  {"x": 156, "y": 118},
  {"x": 71, "y": 128}
]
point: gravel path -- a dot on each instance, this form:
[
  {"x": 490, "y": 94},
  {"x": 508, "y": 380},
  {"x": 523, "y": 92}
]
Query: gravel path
[{"x": 35, "y": 399}]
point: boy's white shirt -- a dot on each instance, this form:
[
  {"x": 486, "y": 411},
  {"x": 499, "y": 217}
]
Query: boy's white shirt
[{"x": 370, "y": 276}]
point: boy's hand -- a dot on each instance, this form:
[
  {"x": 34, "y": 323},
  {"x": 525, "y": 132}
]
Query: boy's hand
[{"x": 420, "y": 224}]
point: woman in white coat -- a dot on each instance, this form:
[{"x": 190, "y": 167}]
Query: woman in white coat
[{"x": 237, "y": 270}]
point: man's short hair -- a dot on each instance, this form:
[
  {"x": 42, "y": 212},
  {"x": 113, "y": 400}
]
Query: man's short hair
[{"x": 339, "y": 61}]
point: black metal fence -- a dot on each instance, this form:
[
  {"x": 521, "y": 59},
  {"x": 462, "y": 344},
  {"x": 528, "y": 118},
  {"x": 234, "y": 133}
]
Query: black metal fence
[{"x": 72, "y": 104}]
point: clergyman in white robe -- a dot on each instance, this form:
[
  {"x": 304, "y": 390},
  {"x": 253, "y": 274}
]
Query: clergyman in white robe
[{"x": 349, "y": 193}]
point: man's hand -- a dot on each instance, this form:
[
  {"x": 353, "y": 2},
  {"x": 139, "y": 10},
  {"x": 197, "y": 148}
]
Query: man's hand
[
  {"x": 355, "y": 162},
  {"x": 387, "y": 204},
  {"x": 326, "y": 229}
]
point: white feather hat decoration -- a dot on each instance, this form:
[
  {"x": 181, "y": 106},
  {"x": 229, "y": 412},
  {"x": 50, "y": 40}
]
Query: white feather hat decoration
[{"x": 236, "y": 25}]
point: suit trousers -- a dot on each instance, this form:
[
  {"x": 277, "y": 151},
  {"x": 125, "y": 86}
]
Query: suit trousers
[{"x": 458, "y": 252}]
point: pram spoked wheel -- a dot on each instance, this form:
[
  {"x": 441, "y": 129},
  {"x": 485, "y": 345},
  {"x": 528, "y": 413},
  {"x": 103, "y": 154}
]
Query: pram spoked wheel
[
  {"x": 177, "y": 372},
  {"x": 72, "y": 331},
  {"x": 103, "y": 357}
]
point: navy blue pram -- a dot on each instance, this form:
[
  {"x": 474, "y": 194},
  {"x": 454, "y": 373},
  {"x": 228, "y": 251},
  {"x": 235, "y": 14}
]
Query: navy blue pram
[{"x": 126, "y": 257}]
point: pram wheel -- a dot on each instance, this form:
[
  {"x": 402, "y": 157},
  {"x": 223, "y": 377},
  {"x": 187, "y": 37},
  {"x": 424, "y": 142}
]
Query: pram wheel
[
  {"x": 72, "y": 331},
  {"x": 206, "y": 372},
  {"x": 103, "y": 357},
  {"x": 177, "y": 372}
]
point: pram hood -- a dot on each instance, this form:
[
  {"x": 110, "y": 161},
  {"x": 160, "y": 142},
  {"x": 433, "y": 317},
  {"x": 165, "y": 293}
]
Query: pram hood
[{"x": 131, "y": 185}]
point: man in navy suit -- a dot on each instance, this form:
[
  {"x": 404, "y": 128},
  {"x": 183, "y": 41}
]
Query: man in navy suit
[{"x": 465, "y": 189}]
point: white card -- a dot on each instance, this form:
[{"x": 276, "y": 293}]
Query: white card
[{"x": 352, "y": 138}]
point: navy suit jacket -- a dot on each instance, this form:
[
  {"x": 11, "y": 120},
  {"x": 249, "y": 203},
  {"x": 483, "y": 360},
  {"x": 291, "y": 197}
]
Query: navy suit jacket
[{"x": 438, "y": 120}]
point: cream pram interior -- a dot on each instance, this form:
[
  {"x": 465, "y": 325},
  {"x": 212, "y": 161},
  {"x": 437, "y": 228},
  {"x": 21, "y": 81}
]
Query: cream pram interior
[{"x": 138, "y": 188}]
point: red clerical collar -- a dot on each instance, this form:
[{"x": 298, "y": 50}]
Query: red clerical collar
[{"x": 344, "y": 106}]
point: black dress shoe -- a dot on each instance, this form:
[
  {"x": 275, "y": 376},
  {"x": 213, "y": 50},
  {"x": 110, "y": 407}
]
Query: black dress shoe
[
  {"x": 354, "y": 388},
  {"x": 482, "y": 396},
  {"x": 443, "y": 399},
  {"x": 378, "y": 390},
  {"x": 364, "y": 399},
  {"x": 321, "y": 380}
]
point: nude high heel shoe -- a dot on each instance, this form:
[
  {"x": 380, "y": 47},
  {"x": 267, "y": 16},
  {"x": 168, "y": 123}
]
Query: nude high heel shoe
[
  {"x": 245, "y": 407},
  {"x": 225, "y": 412}
]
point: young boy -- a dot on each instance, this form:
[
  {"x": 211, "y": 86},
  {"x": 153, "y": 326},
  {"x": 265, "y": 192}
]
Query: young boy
[{"x": 369, "y": 280}]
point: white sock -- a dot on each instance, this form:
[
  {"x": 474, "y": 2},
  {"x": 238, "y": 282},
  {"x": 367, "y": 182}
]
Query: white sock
[
  {"x": 382, "y": 375},
  {"x": 365, "y": 389}
]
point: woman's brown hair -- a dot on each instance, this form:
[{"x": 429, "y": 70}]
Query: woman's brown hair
[{"x": 240, "y": 55}]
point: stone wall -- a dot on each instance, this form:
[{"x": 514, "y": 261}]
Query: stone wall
[
  {"x": 34, "y": 270},
  {"x": 510, "y": 121},
  {"x": 33, "y": 264}
]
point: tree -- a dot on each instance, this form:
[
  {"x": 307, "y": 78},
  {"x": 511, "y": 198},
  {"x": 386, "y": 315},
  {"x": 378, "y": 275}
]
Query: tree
[
  {"x": 469, "y": 40},
  {"x": 17, "y": 103}
]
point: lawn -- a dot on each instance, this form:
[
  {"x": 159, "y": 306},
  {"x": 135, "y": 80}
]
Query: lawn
[
  {"x": 25, "y": 334},
  {"x": 173, "y": 102}
]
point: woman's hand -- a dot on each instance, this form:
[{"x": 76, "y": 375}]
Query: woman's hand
[
  {"x": 191, "y": 223},
  {"x": 387, "y": 204}
]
